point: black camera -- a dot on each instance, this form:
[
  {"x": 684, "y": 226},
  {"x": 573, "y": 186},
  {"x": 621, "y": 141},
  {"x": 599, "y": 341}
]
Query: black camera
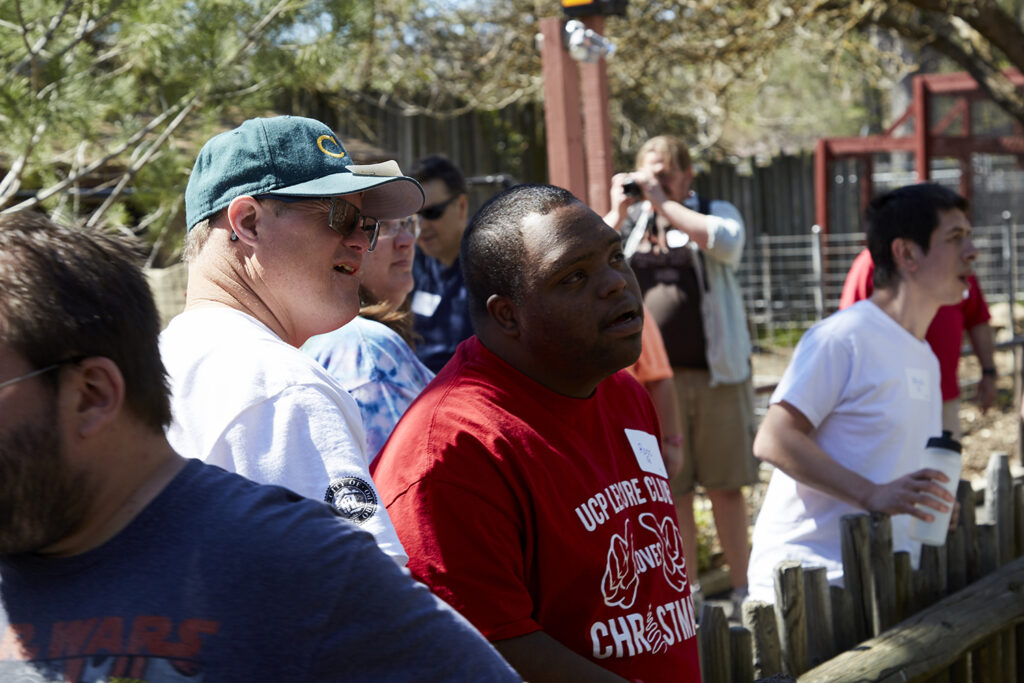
[{"x": 631, "y": 189}]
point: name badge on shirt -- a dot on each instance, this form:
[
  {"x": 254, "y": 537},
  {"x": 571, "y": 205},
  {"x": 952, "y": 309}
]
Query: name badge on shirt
[
  {"x": 647, "y": 451},
  {"x": 917, "y": 384},
  {"x": 674, "y": 238},
  {"x": 425, "y": 303}
]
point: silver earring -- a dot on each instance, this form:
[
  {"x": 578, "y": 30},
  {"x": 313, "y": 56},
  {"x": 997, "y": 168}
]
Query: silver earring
[{"x": 234, "y": 237}]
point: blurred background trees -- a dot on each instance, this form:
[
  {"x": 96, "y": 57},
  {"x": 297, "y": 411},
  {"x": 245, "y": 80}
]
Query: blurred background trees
[{"x": 104, "y": 103}]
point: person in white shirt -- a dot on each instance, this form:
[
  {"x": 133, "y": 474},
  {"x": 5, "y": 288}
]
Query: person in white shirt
[
  {"x": 847, "y": 426},
  {"x": 278, "y": 220}
]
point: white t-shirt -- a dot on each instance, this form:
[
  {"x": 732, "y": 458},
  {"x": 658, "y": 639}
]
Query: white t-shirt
[
  {"x": 245, "y": 400},
  {"x": 871, "y": 391}
]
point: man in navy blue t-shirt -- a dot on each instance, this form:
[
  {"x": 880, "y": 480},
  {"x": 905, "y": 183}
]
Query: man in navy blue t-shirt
[{"x": 121, "y": 560}]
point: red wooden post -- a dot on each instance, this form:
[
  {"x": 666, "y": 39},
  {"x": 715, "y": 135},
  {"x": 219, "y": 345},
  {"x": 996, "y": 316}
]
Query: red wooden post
[
  {"x": 921, "y": 133},
  {"x": 597, "y": 128},
  {"x": 562, "y": 116}
]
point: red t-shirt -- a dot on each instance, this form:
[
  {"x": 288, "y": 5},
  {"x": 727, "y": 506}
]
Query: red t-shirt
[
  {"x": 945, "y": 334},
  {"x": 528, "y": 510}
]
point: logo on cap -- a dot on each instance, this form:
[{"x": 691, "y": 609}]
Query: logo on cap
[{"x": 320, "y": 144}]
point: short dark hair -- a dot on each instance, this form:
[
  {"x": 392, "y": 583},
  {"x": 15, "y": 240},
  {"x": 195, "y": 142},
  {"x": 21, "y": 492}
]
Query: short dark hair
[
  {"x": 909, "y": 212},
  {"x": 492, "y": 248},
  {"x": 437, "y": 167},
  {"x": 67, "y": 293}
]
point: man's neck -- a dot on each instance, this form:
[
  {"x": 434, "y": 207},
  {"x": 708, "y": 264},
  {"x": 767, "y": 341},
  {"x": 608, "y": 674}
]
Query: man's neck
[
  {"x": 132, "y": 474},
  {"x": 912, "y": 310},
  {"x": 220, "y": 289}
]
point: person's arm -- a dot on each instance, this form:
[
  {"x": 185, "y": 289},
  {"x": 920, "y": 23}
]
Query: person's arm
[
  {"x": 784, "y": 441},
  {"x": 666, "y": 403},
  {"x": 983, "y": 343},
  {"x": 539, "y": 658}
]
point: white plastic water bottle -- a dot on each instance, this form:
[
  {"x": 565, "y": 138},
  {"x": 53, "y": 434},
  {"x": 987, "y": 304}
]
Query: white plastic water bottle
[{"x": 942, "y": 453}]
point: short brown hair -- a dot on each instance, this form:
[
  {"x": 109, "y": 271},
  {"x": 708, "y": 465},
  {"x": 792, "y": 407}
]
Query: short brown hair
[
  {"x": 672, "y": 148},
  {"x": 70, "y": 293}
]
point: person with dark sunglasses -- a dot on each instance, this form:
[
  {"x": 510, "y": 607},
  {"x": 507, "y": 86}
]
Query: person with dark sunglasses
[
  {"x": 439, "y": 300},
  {"x": 279, "y": 219}
]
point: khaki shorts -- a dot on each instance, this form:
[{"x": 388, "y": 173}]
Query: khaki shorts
[{"x": 718, "y": 433}]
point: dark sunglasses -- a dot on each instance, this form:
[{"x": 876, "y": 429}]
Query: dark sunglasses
[
  {"x": 343, "y": 218},
  {"x": 433, "y": 212}
]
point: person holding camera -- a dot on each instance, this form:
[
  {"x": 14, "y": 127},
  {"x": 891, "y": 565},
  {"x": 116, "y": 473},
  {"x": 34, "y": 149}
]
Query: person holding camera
[{"x": 685, "y": 251}]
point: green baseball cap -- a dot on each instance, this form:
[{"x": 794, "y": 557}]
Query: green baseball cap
[{"x": 292, "y": 156}]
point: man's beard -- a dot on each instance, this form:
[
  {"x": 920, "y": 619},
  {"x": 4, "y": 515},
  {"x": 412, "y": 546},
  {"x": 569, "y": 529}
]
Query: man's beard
[{"x": 41, "y": 501}]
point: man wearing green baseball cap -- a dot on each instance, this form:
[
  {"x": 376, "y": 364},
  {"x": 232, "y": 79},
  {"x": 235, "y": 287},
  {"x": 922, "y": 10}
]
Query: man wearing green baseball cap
[{"x": 278, "y": 220}]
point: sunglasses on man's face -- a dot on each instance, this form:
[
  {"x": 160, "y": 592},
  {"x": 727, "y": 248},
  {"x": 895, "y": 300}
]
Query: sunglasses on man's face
[
  {"x": 435, "y": 211},
  {"x": 344, "y": 216}
]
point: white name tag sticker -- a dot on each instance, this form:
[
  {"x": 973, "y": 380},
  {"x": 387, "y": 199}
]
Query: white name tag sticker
[
  {"x": 425, "y": 303},
  {"x": 674, "y": 238},
  {"x": 917, "y": 384},
  {"x": 647, "y": 451}
]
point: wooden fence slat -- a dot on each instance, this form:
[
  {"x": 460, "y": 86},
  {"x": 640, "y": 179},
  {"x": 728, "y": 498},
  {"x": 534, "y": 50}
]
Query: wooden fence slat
[
  {"x": 930, "y": 578},
  {"x": 882, "y": 572},
  {"x": 857, "y": 570},
  {"x": 903, "y": 576},
  {"x": 1019, "y": 647},
  {"x": 821, "y": 644},
  {"x": 741, "y": 647},
  {"x": 936, "y": 637},
  {"x": 790, "y": 616},
  {"x": 985, "y": 662},
  {"x": 1018, "y": 519},
  {"x": 716, "y": 661},
  {"x": 968, "y": 522},
  {"x": 988, "y": 549},
  {"x": 759, "y": 619},
  {"x": 999, "y": 504},
  {"x": 956, "y": 561},
  {"x": 842, "y": 618},
  {"x": 1008, "y": 644}
]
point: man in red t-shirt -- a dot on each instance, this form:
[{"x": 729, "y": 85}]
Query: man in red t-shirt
[
  {"x": 945, "y": 336},
  {"x": 526, "y": 482}
]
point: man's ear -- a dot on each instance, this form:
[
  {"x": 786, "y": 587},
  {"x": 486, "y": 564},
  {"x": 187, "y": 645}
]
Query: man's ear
[
  {"x": 244, "y": 214},
  {"x": 504, "y": 314},
  {"x": 463, "y": 203},
  {"x": 906, "y": 254},
  {"x": 94, "y": 394}
]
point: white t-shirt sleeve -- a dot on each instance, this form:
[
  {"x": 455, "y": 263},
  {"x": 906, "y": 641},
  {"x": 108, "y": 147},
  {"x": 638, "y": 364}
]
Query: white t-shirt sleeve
[
  {"x": 303, "y": 440},
  {"x": 816, "y": 377}
]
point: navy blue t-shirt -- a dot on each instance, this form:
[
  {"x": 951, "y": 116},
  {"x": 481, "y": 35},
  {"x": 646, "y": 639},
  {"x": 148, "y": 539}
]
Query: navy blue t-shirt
[
  {"x": 222, "y": 579},
  {"x": 441, "y": 310}
]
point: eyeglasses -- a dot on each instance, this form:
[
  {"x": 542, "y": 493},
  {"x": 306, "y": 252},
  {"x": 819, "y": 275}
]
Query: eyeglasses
[
  {"x": 40, "y": 371},
  {"x": 343, "y": 218},
  {"x": 390, "y": 228},
  {"x": 433, "y": 212}
]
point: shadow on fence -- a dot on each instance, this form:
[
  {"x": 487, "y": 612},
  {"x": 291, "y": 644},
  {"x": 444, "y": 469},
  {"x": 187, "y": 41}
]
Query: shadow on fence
[{"x": 958, "y": 617}]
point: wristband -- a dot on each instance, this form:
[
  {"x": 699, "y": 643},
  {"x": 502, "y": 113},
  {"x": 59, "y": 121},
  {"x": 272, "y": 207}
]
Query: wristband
[{"x": 988, "y": 372}]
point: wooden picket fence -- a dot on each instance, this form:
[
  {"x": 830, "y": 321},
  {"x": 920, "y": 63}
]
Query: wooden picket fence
[{"x": 958, "y": 617}]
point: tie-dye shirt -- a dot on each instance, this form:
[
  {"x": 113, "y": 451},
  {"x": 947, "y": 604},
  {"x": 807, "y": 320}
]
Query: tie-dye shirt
[{"x": 377, "y": 368}]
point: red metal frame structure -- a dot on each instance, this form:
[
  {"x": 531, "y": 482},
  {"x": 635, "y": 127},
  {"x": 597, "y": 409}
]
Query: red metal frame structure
[{"x": 925, "y": 143}]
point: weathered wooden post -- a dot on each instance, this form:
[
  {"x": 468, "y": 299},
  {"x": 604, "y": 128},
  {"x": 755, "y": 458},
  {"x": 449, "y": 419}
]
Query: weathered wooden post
[
  {"x": 843, "y": 630},
  {"x": 716, "y": 662},
  {"x": 759, "y": 618},
  {"x": 741, "y": 647},
  {"x": 956, "y": 561},
  {"x": 790, "y": 616},
  {"x": 883, "y": 572},
  {"x": 821, "y": 644},
  {"x": 988, "y": 549},
  {"x": 999, "y": 504},
  {"x": 903, "y": 575},
  {"x": 857, "y": 570},
  {"x": 967, "y": 522}
]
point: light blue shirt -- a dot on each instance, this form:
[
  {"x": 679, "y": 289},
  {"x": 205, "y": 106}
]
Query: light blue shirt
[{"x": 375, "y": 365}]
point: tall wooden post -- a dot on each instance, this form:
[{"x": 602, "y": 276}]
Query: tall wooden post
[
  {"x": 562, "y": 116},
  {"x": 597, "y": 128}
]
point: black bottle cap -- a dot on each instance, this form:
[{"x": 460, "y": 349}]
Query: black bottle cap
[{"x": 945, "y": 441}]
